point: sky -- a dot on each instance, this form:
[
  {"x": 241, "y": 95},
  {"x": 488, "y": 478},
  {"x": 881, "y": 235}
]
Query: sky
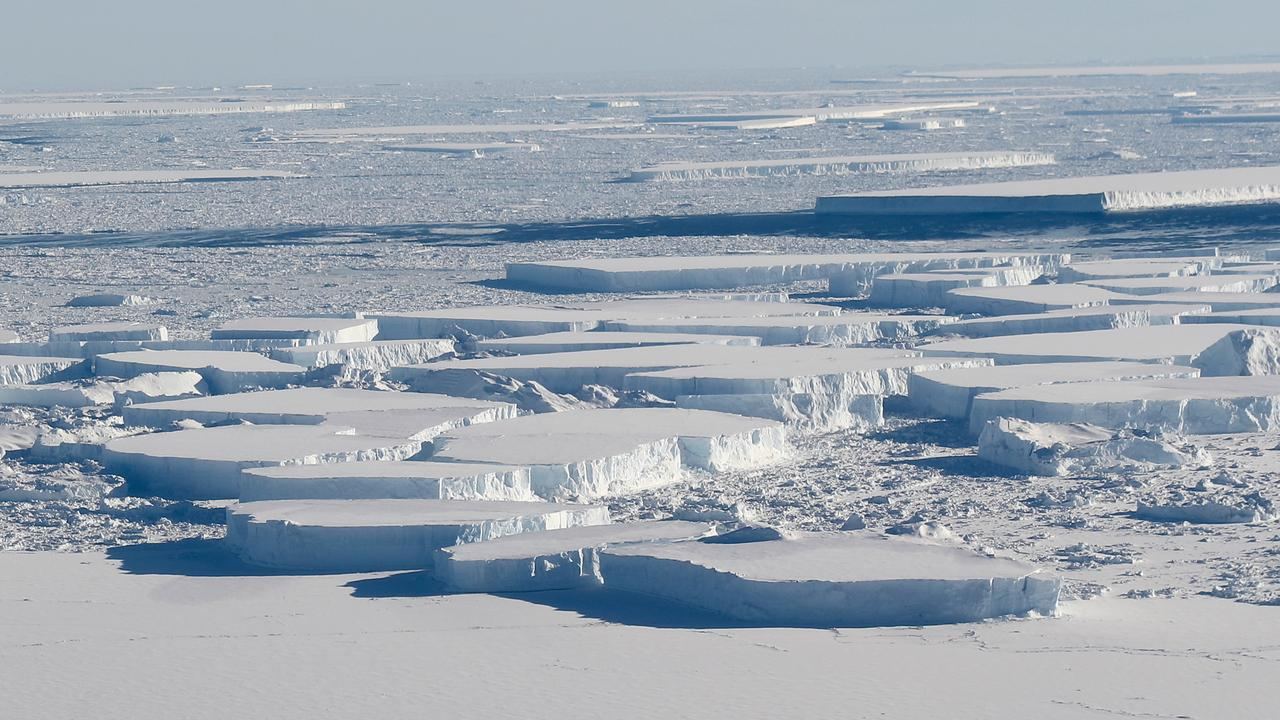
[{"x": 82, "y": 44}]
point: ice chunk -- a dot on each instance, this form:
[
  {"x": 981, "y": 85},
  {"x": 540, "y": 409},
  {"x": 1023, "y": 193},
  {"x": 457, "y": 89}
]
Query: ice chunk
[
  {"x": 378, "y": 355},
  {"x": 1206, "y": 506},
  {"x": 1023, "y": 299},
  {"x": 400, "y": 480},
  {"x": 553, "y": 560},
  {"x": 17, "y": 370},
  {"x": 1060, "y": 449},
  {"x": 143, "y": 388},
  {"x": 100, "y": 332},
  {"x": 369, "y": 535},
  {"x": 917, "y": 162},
  {"x": 313, "y": 330},
  {"x": 594, "y": 453},
  {"x": 108, "y": 300},
  {"x": 206, "y": 463},
  {"x": 225, "y": 372},
  {"x": 1103, "y": 317},
  {"x": 1098, "y": 194},
  {"x": 1220, "y": 349},
  {"x": 850, "y": 274},
  {"x": 832, "y": 580},
  {"x": 950, "y": 393},
  {"x": 1193, "y": 406},
  {"x": 579, "y": 341}
]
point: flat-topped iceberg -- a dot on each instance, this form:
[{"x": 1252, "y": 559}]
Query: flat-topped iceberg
[
  {"x": 224, "y": 371},
  {"x": 412, "y": 479},
  {"x": 369, "y": 535},
  {"x": 313, "y": 330}
]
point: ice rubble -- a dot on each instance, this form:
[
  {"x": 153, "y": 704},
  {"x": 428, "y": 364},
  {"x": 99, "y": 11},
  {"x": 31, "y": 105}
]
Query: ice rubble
[
  {"x": 580, "y": 341},
  {"x": 844, "y": 329},
  {"x": 950, "y": 393},
  {"x": 596, "y": 453},
  {"x": 1101, "y": 317},
  {"x": 412, "y": 479},
  {"x": 919, "y": 162},
  {"x": 312, "y": 330},
  {"x": 849, "y": 274},
  {"x": 108, "y": 300},
  {"x": 379, "y": 355},
  {"x": 1216, "y": 349},
  {"x": 86, "y": 178},
  {"x": 369, "y": 535},
  {"x": 108, "y": 332},
  {"x": 424, "y": 415},
  {"x": 832, "y": 580},
  {"x": 1196, "y": 283},
  {"x": 1060, "y": 449},
  {"x": 224, "y": 371},
  {"x": 1024, "y": 299},
  {"x": 930, "y": 289},
  {"x": 18, "y": 370},
  {"x": 553, "y": 560},
  {"x": 205, "y": 463},
  {"x": 1098, "y": 194},
  {"x": 1193, "y": 406},
  {"x": 148, "y": 387}
]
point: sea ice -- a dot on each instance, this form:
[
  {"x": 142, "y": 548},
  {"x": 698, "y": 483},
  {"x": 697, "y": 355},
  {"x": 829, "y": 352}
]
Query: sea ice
[
  {"x": 552, "y": 560},
  {"x": 369, "y": 535},
  {"x": 832, "y": 580}
]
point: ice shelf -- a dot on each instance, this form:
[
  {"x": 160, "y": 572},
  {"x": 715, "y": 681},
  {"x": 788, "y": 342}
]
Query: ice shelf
[
  {"x": 1061, "y": 449},
  {"x": 369, "y": 535},
  {"x": 850, "y": 274},
  {"x": 950, "y": 393},
  {"x": 206, "y": 463},
  {"x": 1194, "y": 406},
  {"x": 846, "y": 165},
  {"x": 594, "y": 453},
  {"x": 832, "y": 580},
  {"x": 553, "y": 560},
  {"x": 224, "y": 371},
  {"x": 387, "y": 479},
  {"x": 1216, "y": 349},
  {"x": 314, "y": 330},
  {"x": 1098, "y": 194}
]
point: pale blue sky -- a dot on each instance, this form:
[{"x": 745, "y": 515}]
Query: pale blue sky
[{"x": 117, "y": 43}]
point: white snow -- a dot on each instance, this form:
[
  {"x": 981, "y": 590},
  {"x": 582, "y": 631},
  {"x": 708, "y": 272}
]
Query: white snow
[
  {"x": 1058, "y": 449},
  {"x": 388, "y": 479},
  {"x": 225, "y": 371},
  {"x": 366, "y": 535},
  {"x": 840, "y": 165},
  {"x": 1098, "y": 194},
  {"x": 1193, "y": 406},
  {"x": 950, "y": 393},
  {"x": 832, "y": 580},
  {"x": 313, "y": 330},
  {"x": 553, "y": 560}
]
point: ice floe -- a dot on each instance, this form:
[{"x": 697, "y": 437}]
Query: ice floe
[{"x": 312, "y": 330}]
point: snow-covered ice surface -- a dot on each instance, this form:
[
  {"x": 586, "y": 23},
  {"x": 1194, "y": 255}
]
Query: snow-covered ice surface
[{"x": 361, "y": 230}]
